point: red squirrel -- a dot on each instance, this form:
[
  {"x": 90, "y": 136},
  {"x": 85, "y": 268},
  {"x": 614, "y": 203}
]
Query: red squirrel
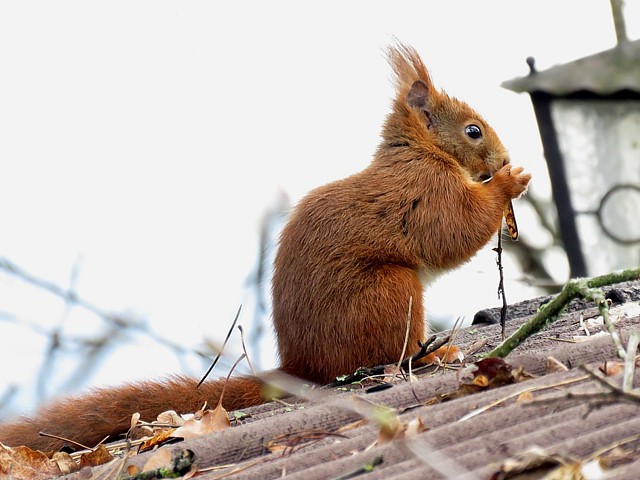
[{"x": 352, "y": 255}]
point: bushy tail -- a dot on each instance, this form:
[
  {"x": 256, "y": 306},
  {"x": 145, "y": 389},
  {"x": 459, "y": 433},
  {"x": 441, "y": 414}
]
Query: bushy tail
[{"x": 106, "y": 412}]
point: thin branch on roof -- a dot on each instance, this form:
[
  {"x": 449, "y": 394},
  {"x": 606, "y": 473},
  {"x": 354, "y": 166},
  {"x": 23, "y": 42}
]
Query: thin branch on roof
[
  {"x": 597, "y": 296},
  {"x": 406, "y": 334},
  {"x": 430, "y": 345},
  {"x": 215, "y": 361},
  {"x": 369, "y": 467},
  {"x": 455, "y": 330},
  {"x": 501, "y": 293},
  {"x": 244, "y": 349},
  {"x": 615, "y": 389},
  {"x": 587, "y": 288},
  {"x": 630, "y": 361},
  {"x": 519, "y": 393}
]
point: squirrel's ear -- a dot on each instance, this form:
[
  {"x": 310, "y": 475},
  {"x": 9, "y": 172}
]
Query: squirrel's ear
[{"x": 418, "y": 96}]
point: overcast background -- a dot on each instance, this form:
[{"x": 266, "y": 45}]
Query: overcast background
[{"x": 143, "y": 142}]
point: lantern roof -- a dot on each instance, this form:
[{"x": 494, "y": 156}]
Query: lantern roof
[{"x": 603, "y": 73}]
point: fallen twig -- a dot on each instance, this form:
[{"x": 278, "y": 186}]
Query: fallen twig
[
  {"x": 630, "y": 361},
  {"x": 501, "y": 294},
  {"x": 615, "y": 389},
  {"x": 215, "y": 361},
  {"x": 588, "y": 288},
  {"x": 244, "y": 349},
  {"x": 517, "y": 393},
  {"x": 365, "y": 469},
  {"x": 432, "y": 344},
  {"x": 406, "y": 335}
]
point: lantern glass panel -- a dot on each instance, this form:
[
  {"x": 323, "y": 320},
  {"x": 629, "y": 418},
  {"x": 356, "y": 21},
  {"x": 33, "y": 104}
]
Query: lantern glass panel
[{"x": 600, "y": 144}]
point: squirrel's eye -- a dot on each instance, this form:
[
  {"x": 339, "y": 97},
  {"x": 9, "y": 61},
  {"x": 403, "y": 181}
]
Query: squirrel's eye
[{"x": 473, "y": 131}]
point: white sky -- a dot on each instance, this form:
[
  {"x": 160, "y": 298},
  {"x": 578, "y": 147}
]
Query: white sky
[{"x": 148, "y": 139}]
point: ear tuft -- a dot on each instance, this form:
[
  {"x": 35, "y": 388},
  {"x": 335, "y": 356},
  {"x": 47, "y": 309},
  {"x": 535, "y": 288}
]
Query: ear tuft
[{"x": 417, "y": 96}]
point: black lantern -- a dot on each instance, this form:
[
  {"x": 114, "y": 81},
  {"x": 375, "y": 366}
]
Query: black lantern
[{"x": 588, "y": 114}]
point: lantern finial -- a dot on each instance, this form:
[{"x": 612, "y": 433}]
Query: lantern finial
[
  {"x": 618, "y": 21},
  {"x": 532, "y": 65}
]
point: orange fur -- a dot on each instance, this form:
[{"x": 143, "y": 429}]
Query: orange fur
[
  {"x": 106, "y": 412},
  {"x": 351, "y": 256}
]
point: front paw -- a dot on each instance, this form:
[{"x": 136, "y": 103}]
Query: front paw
[{"x": 512, "y": 180}]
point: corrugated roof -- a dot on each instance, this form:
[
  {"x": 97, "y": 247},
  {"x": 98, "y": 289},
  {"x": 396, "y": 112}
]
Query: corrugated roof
[
  {"x": 326, "y": 443},
  {"x": 604, "y": 73}
]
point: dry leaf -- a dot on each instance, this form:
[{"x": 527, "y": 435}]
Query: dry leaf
[
  {"x": 571, "y": 471},
  {"x": 536, "y": 463},
  {"x": 414, "y": 427},
  {"x": 210, "y": 421},
  {"x": 488, "y": 373},
  {"x": 135, "y": 418},
  {"x": 398, "y": 429},
  {"x": 554, "y": 366},
  {"x": 534, "y": 459},
  {"x": 492, "y": 372},
  {"x": 612, "y": 368},
  {"x": 99, "y": 456},
  {"x": 386, "y": 418},
  {"x": 173, "y": 464},
  {"x": 170, "y": 417},
  {"x": 160, "y": 436},
  {"x": 160, "y": 459},
  {"x": 158, "y": 431},
  {"x": 510, "y": 220},
  {"x": 479, "y": 381},
  {"x": 390, "y": 429},
  {"x": 219, "y": 419},
  {"x": 141, "y": 432},
  {"x": 65, "y": 463},
  {"x": 132, "y": 470},
  {"x": 22, "y": 463},
  {"x": 617, "y": 456},
  {"x": 138, "y": 431},
  {"x": 520, "y": 375},
  {"x": 593, "y": 470},
  {"x": 594, "y": 322},
  {"x": 525, "y": 397},
  {"x": 390, "y": 372}
]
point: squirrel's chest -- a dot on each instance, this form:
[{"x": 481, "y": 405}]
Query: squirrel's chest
[{"x": 428, "y": 275}]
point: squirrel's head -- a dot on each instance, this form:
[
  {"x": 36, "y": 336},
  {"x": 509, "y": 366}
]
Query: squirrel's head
[{"x": 432, "y": 117}]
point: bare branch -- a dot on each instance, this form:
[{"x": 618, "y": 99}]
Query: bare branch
[
  {"x": 213, "y": 364},
  {"x": 549, "y": 313},
  {"x": 630, "y": 362}
]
